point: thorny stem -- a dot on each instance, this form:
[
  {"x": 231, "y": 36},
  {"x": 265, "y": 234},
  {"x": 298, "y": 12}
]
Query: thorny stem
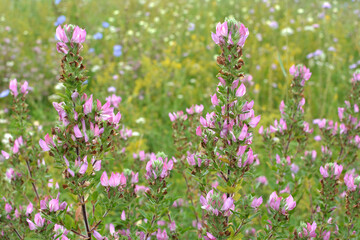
[
  {"x": 17, "y": 234},
  {"x": 98, "y": 223},
  {"x": 83, "y": 208},
  {"x": 239, "y": 228},
  {"x": 32, "y": 183},
  {"x": 79, "y": 234}
]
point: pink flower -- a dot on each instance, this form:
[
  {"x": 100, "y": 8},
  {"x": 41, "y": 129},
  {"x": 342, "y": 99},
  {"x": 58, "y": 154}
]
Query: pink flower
[
  {"x": 122, "y": 179},
  {"x": 24, "y": 87},
  {"x": 13, "y": 87},
  {"x": 39, "y": 221},
  {"x": 61, "y": 35},
  {"x": 172, "y": 116},
  {"x": 254, "y": 121},
  {"x": 97, "y": 235},
  {"x": 104, "y": 179},
  {"x": 198, "y": 131},
  {"x": 217, "y": 204},
  {"x": 222, "y": 81},
  {"x": 243, "y": 133},
  {"x": 77, "y": 131},
  {"x": 337, "y": 170},
  {"x": 326, "y": 235},
  {"x": 282, "y": 107},
  {"x": 274, "y": 201},
  {"x": 222, "y": 29},
  {"x": 324, "y": 172},
  {"x": 62, "y": 206},
  {"x": 84, "y": 166},
  {"x": 88, "y": 105},
  {"x": 31, "y": 224},
  {"x": 5, "y": 154},
  {"x": 114, "y": 180},
  {"x": 244, "y": 33},
  {"x": 262, "y": 180},
  {"x": 96, "y": 164},
  {"x": 54, "y": 205},
  {"x": 44, "y": 146},
  {"x": 114, "y": 100},
  {"x": 290, "y": 204},
  {"x": 349, "y": 182},
  {"x": 161, "y": 235},
  {"x": 8, "y": 208},
  {"x": 62, "y": 47},
  {"x": 310, "y": 229},
  {"x": 256, "y": 202},
  {"x": 241, "y": 90},
  {"x": 341, "y": 113},
  {"x": 292, "y": 70},
  {"x": 214, "y": 100},
  {"x": 29, "y": 209},
  {"x": 209, "y": 236},
  {"x": 229, "y": 202},
  {"x": 79, "y": 35},
  {"x": 123, "y": 217},
  {"x": 158, "y": 167}
]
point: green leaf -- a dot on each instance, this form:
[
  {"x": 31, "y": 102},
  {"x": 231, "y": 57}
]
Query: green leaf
[{"x": 69, "y": 222}]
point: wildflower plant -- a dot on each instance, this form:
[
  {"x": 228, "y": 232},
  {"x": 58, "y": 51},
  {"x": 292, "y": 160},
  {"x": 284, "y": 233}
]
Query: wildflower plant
[
  {"x": 80, "y": 142},
  {"x": 215, "y": 179},
  {"x": 226, "y": 139}
]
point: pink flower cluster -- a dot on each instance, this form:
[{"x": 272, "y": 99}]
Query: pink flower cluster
[
  {"x": 334, "y": 168},
  {"x": 309, "y": 231},
  {"x": 275, "y": 203},
  {"x": 157, "y": 167},
  {"x": 217, "y": 204},
  {"x": 117, "y": 179},
  {"x": 62, "y": 34},
  {"x": 13, "y": 86},
  {"x": 351, "y": 182},
  {"x": 53, "y": 205},
  {"x": 223, "y": 34},
  {"x": 300, "y": 72}
]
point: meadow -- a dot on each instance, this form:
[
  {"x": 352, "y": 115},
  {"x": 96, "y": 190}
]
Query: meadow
[{"x": 150, "y": 59}]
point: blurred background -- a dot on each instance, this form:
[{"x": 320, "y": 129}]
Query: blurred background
[{"x": 158, "y": 56}]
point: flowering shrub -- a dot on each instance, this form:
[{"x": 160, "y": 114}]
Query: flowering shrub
[{"x": 78, "y": 193}]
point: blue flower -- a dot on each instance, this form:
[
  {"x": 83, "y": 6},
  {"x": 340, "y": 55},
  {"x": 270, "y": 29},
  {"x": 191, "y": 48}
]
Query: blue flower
[
  {"x": 105, "y": 24},
  {"x": 117, "y": 50},
  {"x": 57, "y": 2},
  {"x": 98, "y": 35},
  {"x": 4, "y": 93},
  {"x": 60, "y": 20},
  {"x": 352, "y": 66},
  {"x": 191, "y": 27},
  {"x": 91, "y": 50}
]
